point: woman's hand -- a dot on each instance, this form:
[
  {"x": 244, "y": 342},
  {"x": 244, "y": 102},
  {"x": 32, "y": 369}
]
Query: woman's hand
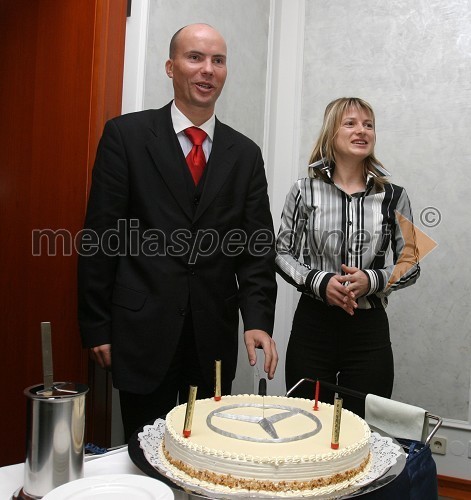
[
  {"x": 339, "y": 295},
  {"x": 357, "y": 280}
]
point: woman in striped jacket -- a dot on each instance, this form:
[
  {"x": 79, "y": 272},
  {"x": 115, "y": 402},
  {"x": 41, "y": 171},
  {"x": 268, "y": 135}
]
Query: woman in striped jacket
[{"x": 337, "y": 229}]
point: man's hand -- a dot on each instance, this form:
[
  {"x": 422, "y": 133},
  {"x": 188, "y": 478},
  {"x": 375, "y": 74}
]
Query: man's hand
[
  {"x": 101, "y": 354},
  {"x": 260, "y": 339}
]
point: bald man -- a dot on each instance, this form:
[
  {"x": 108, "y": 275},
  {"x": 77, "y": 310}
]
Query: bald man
[{"x": 168, "y": 257}]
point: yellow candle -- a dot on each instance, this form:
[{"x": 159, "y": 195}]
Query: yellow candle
[
  {"x": 217, "y": 380},
  {"x": 190, "y": 407},
  {"x": 336, "y": 423}
]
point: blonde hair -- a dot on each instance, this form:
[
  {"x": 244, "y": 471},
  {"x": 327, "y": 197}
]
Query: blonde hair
[{"x": 324, "y": 148}]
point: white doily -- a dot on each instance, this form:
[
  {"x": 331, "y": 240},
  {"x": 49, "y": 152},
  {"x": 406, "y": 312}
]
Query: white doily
[{"x": 384, "y": 454}]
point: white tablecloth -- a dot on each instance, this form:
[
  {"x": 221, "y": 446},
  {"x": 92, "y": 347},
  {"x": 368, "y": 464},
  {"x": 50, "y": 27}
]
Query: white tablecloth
[{"x": 113, "y": 462}]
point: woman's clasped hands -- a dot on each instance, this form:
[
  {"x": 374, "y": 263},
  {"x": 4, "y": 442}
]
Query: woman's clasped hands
[{"x": 343, "y": 290}]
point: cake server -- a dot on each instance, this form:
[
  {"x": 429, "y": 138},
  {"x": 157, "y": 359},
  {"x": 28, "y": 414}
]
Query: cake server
[{"x": 46, "y": 344}]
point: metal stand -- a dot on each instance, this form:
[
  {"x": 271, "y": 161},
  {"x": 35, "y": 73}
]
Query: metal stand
[{"x": 361, "y": 395}]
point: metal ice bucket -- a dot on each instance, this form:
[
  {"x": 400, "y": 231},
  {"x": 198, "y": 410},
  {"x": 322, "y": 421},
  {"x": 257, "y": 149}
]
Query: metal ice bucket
[{"x": 54, "y": 437}]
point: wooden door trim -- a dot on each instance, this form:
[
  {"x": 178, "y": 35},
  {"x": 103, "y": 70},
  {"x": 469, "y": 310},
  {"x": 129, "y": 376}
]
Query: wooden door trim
[{"x": 105, "y": 103}]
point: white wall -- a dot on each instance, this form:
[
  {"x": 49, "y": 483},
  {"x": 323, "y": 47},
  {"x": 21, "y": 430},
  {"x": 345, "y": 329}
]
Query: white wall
[
  {"x": 242, "y": 103},
  {"x": 411, "y": 60}
]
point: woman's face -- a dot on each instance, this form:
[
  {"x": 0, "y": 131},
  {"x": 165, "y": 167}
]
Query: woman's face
[{"x": 356, "y": 136}]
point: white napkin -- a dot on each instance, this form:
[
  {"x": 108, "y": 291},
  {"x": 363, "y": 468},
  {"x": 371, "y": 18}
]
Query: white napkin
[
  {"x": 398, "y": 419},
  {"x": 113, "y": 462}
]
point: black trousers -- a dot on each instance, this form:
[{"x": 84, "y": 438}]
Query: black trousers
[
  {"x": 138, "y": 409},
  {"x": 351, "y": 351}
]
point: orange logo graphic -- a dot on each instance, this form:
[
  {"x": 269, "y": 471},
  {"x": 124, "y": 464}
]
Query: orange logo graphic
[{"x": 416, "y": 246}]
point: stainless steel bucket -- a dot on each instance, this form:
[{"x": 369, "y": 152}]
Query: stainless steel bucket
[{"x": 54, "y": 437}]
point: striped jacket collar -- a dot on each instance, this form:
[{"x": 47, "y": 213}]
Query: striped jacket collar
[{"x": 324, "y": 165}]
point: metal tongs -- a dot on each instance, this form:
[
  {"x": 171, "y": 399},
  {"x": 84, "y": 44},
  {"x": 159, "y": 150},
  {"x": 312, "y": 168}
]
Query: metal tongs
[{"x": 49, "y": 387}]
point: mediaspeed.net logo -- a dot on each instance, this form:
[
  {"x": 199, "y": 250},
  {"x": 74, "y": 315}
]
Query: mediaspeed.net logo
[{"x": 417, "y": 245}]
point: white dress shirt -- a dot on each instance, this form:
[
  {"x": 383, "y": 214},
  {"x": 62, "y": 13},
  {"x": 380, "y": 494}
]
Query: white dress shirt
[{"x": 181, "y": 122}]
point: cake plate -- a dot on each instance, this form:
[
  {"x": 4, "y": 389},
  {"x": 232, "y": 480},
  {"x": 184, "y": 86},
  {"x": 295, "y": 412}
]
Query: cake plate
[{"x": 378, "y": 480}]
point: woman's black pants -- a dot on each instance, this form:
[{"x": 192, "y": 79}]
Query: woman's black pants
[{"x": 352, "y": 351}]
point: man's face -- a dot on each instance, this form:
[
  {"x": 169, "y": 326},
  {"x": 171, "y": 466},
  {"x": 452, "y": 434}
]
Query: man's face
[{"x": 198, "y": 68}]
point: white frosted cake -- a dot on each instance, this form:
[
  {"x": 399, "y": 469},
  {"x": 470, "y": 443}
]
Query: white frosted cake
[{"x": 270, "y": 443}]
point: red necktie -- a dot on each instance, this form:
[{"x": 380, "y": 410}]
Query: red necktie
[{"x": 195, "y": 159}]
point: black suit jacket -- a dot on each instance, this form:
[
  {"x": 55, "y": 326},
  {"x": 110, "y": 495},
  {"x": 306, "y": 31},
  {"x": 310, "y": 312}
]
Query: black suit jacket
[{"x": 150, "y": 253}]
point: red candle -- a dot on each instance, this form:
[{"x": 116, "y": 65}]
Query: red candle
[{"x": 316, "y": 401}]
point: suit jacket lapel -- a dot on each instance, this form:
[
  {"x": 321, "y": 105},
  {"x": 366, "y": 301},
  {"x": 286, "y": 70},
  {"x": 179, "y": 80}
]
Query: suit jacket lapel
[
  {"x": 166, "y": 152},
  {"x": 221, "y": 162}
]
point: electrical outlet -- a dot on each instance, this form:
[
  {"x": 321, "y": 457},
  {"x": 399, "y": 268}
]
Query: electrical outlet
[{"x": 438, "y": 445}]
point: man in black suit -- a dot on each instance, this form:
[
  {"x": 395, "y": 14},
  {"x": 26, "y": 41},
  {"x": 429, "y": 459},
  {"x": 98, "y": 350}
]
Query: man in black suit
[{"x": 167, "y": 261}]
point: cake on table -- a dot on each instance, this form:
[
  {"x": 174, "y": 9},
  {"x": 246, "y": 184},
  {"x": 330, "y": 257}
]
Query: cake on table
[{"x": 264, "y": 444}]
